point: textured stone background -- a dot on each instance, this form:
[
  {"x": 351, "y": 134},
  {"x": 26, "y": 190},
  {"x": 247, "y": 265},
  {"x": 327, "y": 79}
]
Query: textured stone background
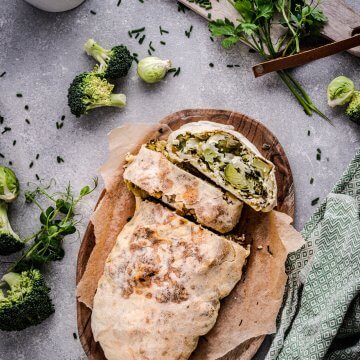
[{"x": 41, "y": 53}]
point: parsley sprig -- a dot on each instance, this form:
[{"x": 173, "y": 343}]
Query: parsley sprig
[
  {"x": 57, "y": 221},
  {"x": 296, "y": 19}
]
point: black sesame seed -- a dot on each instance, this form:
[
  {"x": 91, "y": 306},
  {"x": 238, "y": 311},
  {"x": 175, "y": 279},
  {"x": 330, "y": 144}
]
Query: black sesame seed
[
  {"x": 93, "y": 12},
  {"x": 19, "y": 95},
  {"x": 315, "y": 201},
  {"x": 211, "y": 65}
]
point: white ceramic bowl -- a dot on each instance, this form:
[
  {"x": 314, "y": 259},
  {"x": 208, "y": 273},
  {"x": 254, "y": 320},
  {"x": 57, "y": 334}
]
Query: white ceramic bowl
[{"x": 55, "y": 5}]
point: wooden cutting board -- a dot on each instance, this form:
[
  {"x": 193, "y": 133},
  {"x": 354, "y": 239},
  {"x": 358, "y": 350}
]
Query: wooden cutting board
[
  {"x": 343, "y": 22},
  {"x": 270, "y": 148}
]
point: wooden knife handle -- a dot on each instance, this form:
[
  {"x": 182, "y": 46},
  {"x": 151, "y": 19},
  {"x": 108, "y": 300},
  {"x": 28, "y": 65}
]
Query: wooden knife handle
[{"x": 305, "y": 56}]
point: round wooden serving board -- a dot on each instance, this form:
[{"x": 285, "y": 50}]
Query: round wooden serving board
[{"x": 270, "y": 148}]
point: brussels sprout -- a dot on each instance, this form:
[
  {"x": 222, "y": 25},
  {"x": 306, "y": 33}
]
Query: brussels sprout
[
  {"x": 235, "y": 178},
  {"x": 340, "y": 91},
  {"x": 9, "y": 184},
  {"x": 152, "y": 69},
  {"x": 262, "y": 166}
]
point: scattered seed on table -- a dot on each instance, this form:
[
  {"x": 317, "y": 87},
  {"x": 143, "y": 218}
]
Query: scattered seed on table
[
  {"x": 230, "y": 66},
  {"x": 27, "y": 121},
  {"x": 162, "y": 42},
  {"x": 2, "y": 156},
  {"x": 6, "y": 129},
  {"x": 63, "y": 118},
  {"x": 318, "y": 156},
  {"x": 31, "y": 164},
  {"x": 318, "y": 150},
  {"x": 37, "y": 156},
  {"x": 37, "y": 177},
  {"x": 74, "y": 334},
  {"x": 118, "y": 3},
  {"x": 59, "y": 159},
  {"x": 93, "y": 12},
  {"x": 19, "y": 95},
  {"x": 26, "y": 107},
  {"x": 211, "y": 65},
  {"x": 14, "y": 142},
  {"x": 149, "y": 52},
  {"x": 1, "y": 120},
  {"x": 311, "y": 181},
  {"x": 315, "y": 201},
  {"x": 2, "y": 74},
  {"x": 10, "y": 163},
  {"x": 308, "y": 132}
]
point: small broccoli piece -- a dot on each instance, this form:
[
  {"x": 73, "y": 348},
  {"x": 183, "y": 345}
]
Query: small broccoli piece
[
  {"x": 114, "y": 63},
  {"x": 353, "y": 110},
  {"x": 9, "y": 241},
  {"x": 89, "y": 90},
  {"x": 9, "y": 184},
  {"x": 26, "y": 302}
]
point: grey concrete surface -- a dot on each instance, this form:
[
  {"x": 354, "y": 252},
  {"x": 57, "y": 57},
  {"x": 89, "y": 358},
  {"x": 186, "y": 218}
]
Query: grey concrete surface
[{"x": 41, "y": 53}]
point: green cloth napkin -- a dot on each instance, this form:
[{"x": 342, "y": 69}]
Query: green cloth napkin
[{"x": 320, "y": 317}]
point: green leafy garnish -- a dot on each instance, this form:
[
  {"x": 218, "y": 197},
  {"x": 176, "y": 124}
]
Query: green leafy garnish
[
  {"x": 257, "y": 19},
  {"x": 57, "y": 221}
]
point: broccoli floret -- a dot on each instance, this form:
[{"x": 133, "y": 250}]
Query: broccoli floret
[
  {"x": 353, "y": 110},
  {"x": 26, "y": 302},
  {"x": 9, "y": 241},
  {"x": 113, "y": 63},
  {"x": 89, "y": 90}
]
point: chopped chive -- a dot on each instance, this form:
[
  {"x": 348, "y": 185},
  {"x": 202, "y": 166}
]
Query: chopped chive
[
  {"x": 211, "y": 38},
  {"x": 308, "y": 132},
  {"x": 2, "y": 74},
  {"x": 59, "y": 159},
  {"x": 172, "y": 70},
  {"x": 137, "y": 35},
  {"x": 10, "y": 162},
  {"x": 151, "y": 48},
  {"x": 2, "y": 156},
  {"x": 19, "y": 95},
  {"x": 118, "y": 3},
  {"x": 142, "y": 1},
  {"x": 181, "y": 7},
  {"x": 37, "y": 177},
  {"x": 318, "y": 150},
  {"x": 209, "y": 16},
  {"x": 237, "y": 65},
  {"x": 230, "y": 66},
  {"x": 129, "y": 33},
  {"x": 93, "y": 12},
  {"x": 311, "y": 181},
  {"x": 162, "y": 42},
  {"x": 141, "y": 40},
  {"x": 211, "y": 65},
  {"x": 177, "y": 72},
  {"x": 6, "y": 129},
  {"x": 318, "y": 156},
  {"x": 74, "y": 334},
  {"x": 163, "y": 31},
  {"x": 14, "y": 142},
  {"x": 27, "y": 121},
  {"x": 26, "y": 107},
  {"x": 63, "y": 118},
  {"x": 1, "y": 120},
  {"x": 149, "y": 52},
  {"x": 315, "y": 201},
  {"x": 139, "y": 30},
  {"x": 31, "y": 164}
]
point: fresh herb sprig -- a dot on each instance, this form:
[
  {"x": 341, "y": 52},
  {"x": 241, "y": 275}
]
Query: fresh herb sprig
[
  {"x": 57, "y": 221},
  {"x": 297, "y": 19}
]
